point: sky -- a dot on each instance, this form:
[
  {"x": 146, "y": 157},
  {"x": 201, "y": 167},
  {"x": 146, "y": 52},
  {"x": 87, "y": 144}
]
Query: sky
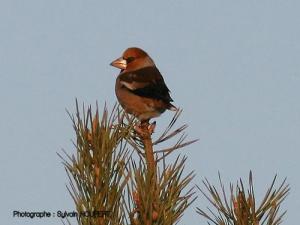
[{"x": 232, "y": 66}]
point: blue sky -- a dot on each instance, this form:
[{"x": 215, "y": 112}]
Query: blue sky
[{"x": 233, "y": 66}]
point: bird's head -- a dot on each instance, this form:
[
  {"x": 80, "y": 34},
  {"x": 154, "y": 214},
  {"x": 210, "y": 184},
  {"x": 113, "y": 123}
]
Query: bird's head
[{"x": 133, "y": 59}]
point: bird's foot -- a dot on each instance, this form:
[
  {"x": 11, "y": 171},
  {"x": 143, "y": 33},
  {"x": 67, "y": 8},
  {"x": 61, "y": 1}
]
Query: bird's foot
[
  {"x": 151, "y": 127},
  {"x": 145, "y": 128}
]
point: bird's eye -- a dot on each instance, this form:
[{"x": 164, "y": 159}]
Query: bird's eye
[{"x": 129, "y": 59}]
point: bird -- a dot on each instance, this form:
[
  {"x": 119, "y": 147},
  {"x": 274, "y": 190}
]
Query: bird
[{"x": 140, "y": 87}]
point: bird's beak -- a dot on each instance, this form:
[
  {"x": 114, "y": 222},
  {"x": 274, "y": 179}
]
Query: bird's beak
[{"x": 119, "y": 63}]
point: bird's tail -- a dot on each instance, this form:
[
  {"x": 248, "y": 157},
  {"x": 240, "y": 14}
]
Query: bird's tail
[{"x": 172, "y": 107}]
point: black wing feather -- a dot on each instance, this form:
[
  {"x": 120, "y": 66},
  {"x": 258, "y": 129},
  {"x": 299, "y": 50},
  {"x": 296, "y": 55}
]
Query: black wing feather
[
  {"x": 154, "y": 85},
  {"x": 157, "y": 91}
]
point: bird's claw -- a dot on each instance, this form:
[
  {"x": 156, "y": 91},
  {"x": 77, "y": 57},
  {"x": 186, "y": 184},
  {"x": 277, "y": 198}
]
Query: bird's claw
[
  {"x": 151, "y": 127},
  {"x": 145, "y": 128}
]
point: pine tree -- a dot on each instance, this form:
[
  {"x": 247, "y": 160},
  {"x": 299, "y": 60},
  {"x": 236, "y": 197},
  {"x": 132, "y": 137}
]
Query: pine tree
[{"x": 117, "y": 177}]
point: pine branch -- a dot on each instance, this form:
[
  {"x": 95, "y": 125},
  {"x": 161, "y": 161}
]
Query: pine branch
[
  {"x": 241, "y": 207},
  {"x": 161, "y": 201},
  {"x": 158, "y": 194},
  {"x": 97, "y": 171}
]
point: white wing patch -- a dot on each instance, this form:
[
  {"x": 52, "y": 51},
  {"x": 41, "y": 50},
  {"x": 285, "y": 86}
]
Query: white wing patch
[{"x": 130, "y": 86}]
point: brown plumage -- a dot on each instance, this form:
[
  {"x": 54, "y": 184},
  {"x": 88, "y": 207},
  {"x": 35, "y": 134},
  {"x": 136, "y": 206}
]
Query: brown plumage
[{"x": 140, "y": 88}]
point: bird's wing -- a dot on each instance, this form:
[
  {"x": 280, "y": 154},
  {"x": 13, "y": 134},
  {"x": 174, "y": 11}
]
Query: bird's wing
[{"x": 146, "y": 82}]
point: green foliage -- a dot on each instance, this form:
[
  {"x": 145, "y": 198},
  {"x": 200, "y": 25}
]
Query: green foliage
[
  {"x": 96, "y": 171},
  {"x": 112, "y": 181},
  {"x": 166, "y": 202},
  {"x": 109, "y": 172},
  {"x": 241, "y": 207},
  {"x": 160, "y": 196}
]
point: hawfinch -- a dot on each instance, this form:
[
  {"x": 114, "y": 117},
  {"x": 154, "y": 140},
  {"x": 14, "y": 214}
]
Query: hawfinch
[{"x": 140, "y": 88}]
